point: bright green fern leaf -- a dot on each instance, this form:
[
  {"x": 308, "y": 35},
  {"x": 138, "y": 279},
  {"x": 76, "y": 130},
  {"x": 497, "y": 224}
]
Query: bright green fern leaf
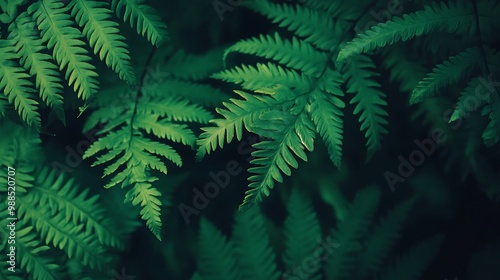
[
  {"x": 66, "y": 42},
  {"x": 102, "y": 33}
]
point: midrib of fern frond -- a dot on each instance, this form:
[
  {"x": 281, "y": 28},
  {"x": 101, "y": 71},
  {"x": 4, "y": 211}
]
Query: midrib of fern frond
[{"x": 104, "y": 37}]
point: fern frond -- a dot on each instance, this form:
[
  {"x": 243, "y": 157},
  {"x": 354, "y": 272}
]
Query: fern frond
[
  {"x": 447, "y": 73},
  {"x": 350, "y": 231},
  {"x": 296, "y": 54},
  {"x": 62, "y": 196},
  {"x": 66, "y": 43},
  {"x": 238, "y": 113},
  {"x": 464, "y": 107},
  {"x": 132, "y": 154},
  {"x": 325, "y": 112},
  {"x": 144, "y": 17},
  {"x": 369, "y": 100},
  {"x": 35, "y": 259},
  {"x": 17, "y": 87},
  {"x": 255, "y": 256},
  {"x": 73, "y": 239},
  {"x": 302, "y": 231},
  {"x": 382, "y": 239},
  {"x": 103, "y": 35},
  {"x": 455, "y": 17},
  {"x": 216, "y": 255},
  {"x": 276, "y": 156},
  {"x": 411, "y": 265},
  {"x": 39, "y": 64},
  {"x": 263, "y": 76},
  {"x": 314, "y": 26}
]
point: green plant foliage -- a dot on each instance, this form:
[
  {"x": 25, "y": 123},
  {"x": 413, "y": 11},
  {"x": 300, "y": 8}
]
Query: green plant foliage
[
  {"x": 43, "y": 39},
  {"x": 357, "y": 247},
  {"x": 298, "y": 94},
  {"x": 134, "y": 131},
  {"x": 57, "y": 220}
]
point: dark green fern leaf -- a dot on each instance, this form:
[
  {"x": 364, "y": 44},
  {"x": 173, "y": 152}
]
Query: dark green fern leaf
[{"x": 370, "y": 100}]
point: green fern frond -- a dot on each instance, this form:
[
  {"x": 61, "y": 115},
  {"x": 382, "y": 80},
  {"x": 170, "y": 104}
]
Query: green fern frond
[
  {"x": 39, "y": 64},
  {"x": 132, "y": 148},
  {"x": 263, "y": 76},
  {"x": 411, "y": 265},
  {"x": 144, "y": 17},
  {"x": 216, "y": 255},
  {"x": 66, "y": 43},
  {"x": 302, "y": 231},
  {"x": 370, "y": 100},
  {"x": 17, "y": 87},
  {"x": 102, "y": 33},
  {"x": 314, "y": 26},
  {"x": 350, "y": 231},
  {"x": 35, "y": 256},
  {"x": 238, "y": 113},
  {"x": 276, "y": 156},
  {"x": 464, "y": 106},
  {"x": 62, "y": 196},
  {"x": 382, "y": 239},
  {"x": 455, "y": 17},
  {"x": 296, "y": 54},
  {"x": 447, "y": 73},
  {"x": 325, "y": 110},
  {"x": 256, "y": 258}
]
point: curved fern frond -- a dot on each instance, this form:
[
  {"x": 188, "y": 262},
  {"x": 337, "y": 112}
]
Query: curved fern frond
[
  {"x": 447, "y": 73},
  {"x": 39, "y": 64},
  {"x": 491, "y": 134},
  {"x": 296, "y": 54},
  {"x": 144, "y": 17},
  {"x": 369, "y": 100},
  {"x": 66, "y": 42},
  {"x": 216, "y": 255},
  {"x": 455, "y": 17},
  {"x": 276, "y": 156},
  {"x": 350, "y": 231},
  {"x": 464, "y": 106},
  {"x": 102, "y": 33},
  {"x": 382, "y": 239},
  {"x": 256, "y": 258},
  {"x": 17, "y": 87},
  {"x": 302, "y": 232}
]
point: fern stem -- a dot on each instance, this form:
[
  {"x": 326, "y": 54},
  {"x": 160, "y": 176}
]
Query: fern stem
[{"x": 139, "y": 93}]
